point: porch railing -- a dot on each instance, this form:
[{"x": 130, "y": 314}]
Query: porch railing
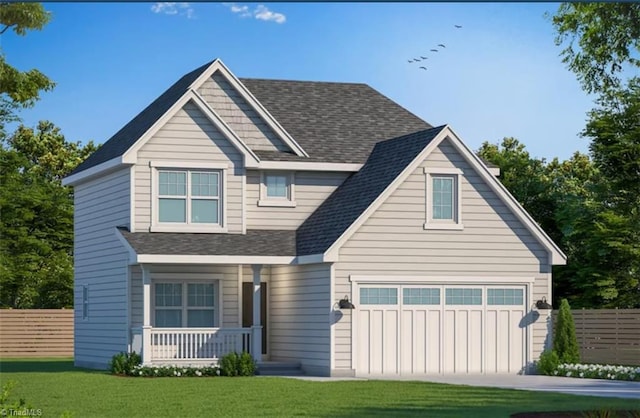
[{"x": 197, "y": 344}]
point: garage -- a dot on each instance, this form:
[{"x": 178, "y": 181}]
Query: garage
[{"x": 417, "y": 329}]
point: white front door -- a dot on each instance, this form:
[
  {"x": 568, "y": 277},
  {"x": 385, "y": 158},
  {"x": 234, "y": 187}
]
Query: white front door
[{"x": 413, "y": 329}]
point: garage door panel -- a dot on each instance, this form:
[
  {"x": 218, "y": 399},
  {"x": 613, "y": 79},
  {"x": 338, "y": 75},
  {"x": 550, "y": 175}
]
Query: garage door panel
[
  {"x": 414, "y": 329},
  {"x": 474, "y": 344}
]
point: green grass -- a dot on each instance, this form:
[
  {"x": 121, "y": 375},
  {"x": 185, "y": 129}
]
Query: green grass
[{"x": 55, "y": 386}]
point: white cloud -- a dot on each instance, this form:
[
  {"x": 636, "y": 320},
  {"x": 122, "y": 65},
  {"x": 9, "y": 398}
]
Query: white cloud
[
  {"x": 260, "y": 12},
  {"x": 173, "y": 8},
  {"x": 263, "y": 13}
]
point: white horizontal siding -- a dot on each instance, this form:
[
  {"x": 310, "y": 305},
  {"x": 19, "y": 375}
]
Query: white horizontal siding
[
  {"x": 239, "y": 115},
  {"x": 311, "y": 189},
  {"x": 493, "y": 243},
  {"x": 187, "y": 137},
  {"x": 299, "y": 316},
  {"x": 100, "y": 261},
  {"x": 228, "y": 285}
]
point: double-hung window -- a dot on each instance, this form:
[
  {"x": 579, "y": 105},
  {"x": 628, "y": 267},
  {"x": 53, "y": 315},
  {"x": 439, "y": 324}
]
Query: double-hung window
[
  {"x": 189, "y": 197},
  {"x": 183, "y": 304},
  {"x": 443, "y": 210},
  {"x": 277, "y": 189}
]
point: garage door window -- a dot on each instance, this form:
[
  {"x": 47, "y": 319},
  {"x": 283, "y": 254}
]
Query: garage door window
[
  {"x": 421, "y": 296},
  {"x": 504, "y": 297},
  {"x": 463, "y": 296},
  {"x": 378, "y": 296}
]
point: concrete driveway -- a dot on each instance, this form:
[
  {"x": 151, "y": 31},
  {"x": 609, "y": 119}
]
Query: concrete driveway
[{"x": 591, "y": 387}]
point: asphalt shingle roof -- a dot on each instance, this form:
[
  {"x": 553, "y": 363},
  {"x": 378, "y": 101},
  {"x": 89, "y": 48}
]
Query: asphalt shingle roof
[
  {"x": 254, "y": 243},
  {"x": 332, "y": 218},
  {"x": 333, "y": 122}
]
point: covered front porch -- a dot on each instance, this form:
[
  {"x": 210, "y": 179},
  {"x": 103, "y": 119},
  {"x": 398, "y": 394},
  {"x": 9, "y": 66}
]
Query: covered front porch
[{"x": 194, "y": 314}]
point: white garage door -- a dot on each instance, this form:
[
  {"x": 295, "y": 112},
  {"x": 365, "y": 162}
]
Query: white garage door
[{"x": 427, "y": 329}]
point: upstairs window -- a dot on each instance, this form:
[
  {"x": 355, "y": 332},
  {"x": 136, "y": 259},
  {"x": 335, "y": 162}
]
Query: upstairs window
[
  {"x": 189, "y": 197},
  {"x": 277, "y": 189},
  {"x": 443, "y": 201}
]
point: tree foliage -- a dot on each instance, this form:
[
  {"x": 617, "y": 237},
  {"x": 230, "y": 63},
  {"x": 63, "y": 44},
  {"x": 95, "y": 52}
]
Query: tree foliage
[
  {"x": 601, "y": 39},
  {"x": 36, "y": 226},
  {"x": 20, "y": 89},
  {"x": 565, "y": 343}
]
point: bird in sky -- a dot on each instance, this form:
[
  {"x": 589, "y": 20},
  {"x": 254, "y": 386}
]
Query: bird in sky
[
  {"x": 424, "y": 68},
  {"x": 424, "y": 58},
  {"x": 441, "y": 45},
  {"x": 416, "y": 60},
  {"x": 434, "y": 50},
  {"x": 410, "y": 61},
  {"x": 458, "y": 26}
]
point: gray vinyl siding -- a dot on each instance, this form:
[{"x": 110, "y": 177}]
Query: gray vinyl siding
[
  {"x": 100, "y": 261},
  {"x": 311, "y": 189},
  {"x": 228, "y": 285},
  {"x": 240, "y": 115},
  {"x": 187, "y": 137},
  {"x": 493, "y": 243},
  {"x": 299, "y": 316}
]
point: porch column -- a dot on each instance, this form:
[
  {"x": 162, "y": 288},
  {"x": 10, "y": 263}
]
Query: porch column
[
  {"x": 256, "y": 329},
  {"x": 146, "y": 315}
]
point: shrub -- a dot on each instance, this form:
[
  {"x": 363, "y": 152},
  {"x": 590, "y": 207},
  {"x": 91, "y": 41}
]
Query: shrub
[
  {"x": 234, "y": 364},
  {"x": 123, "y": 363},
  {"x": 548, "y": 362},
  {"x": 229, "y": 364},
  {"x": 565, "y": 343},
  {"x": 247, "y": 365},
  {"x": 174, "y": 371}
]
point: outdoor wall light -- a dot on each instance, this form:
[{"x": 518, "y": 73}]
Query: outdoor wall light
[
  {"x": 345, "y": 304},
  {"x": 542, "y": 304}
]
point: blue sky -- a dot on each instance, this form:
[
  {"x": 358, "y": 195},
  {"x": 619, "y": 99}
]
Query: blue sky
[{"x": 499, "y": 75}]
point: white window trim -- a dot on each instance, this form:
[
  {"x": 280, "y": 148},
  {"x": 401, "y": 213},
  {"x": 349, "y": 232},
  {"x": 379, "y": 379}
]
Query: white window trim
[
  {"x": 288, "y": 202},
  {"x": 85, "y": 302},
  {"x": 157, "y": 226},
  {"x": 430, "y": 223},
  {"x": 217, "y": 307}
]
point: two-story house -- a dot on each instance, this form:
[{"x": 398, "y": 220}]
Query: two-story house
[{"x": 308, "y": 222}]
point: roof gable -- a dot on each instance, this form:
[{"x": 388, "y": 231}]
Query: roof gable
[
  {"x": 347, "y": 203},
  {"x": 353, "y": 219}
]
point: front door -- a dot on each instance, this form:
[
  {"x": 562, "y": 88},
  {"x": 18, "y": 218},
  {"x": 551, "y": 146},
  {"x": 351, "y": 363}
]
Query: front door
[{"x": 247, "y": 309}]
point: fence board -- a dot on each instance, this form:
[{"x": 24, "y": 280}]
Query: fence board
[
  {"x": 36, "y": 333},
  {"x": 608, "y": 336}
]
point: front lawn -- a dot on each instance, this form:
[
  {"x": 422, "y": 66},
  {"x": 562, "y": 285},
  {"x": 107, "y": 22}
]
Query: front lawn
[{"x": 56, "y": 386}]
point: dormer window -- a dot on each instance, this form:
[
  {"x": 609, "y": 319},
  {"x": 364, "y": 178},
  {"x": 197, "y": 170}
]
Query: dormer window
[
  {"x": 277, "y": 189},
  {"x": 188, "y": 199}
]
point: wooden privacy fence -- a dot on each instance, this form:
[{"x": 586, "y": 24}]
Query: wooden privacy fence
[
  {"x": 608, "y": 336},
  {"x": 36, "y": 333}
]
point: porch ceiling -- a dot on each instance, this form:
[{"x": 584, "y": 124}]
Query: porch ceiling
[{"x": 254, "y": 243}]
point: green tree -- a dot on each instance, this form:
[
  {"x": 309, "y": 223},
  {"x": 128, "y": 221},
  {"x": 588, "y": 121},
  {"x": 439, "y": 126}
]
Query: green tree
[
  {"x": 565, "y": 343},
  {"x": 20, "y": 89},
  {"x": 600, "y": 39},
  {"x": 36, "y": 226}
]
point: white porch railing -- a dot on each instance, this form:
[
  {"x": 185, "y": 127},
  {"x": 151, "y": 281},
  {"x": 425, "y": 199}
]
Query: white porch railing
[{"x": 197, "y": 344}]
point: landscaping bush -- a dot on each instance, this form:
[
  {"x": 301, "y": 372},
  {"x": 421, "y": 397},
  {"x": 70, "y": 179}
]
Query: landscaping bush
[
  {"x": 123, "y": 363},
  {"x": 234, "y": 364},
  {"x": 174, "y": 371},
  {"x": 565, "y": 343},
  {"x": 548, "y": 362},
  {"x": 598, "y": 371}
]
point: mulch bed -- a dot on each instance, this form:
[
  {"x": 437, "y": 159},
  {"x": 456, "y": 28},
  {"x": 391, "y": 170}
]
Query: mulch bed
[{"x": 577, "y": 414}]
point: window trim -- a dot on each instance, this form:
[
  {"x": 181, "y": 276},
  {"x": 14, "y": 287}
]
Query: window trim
[
  {"x": 287, "y": 202},
  {"x": 430, "y": 223},
  {"x": 184, "y": 308},
  {"x": 188, "y": 226}
]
